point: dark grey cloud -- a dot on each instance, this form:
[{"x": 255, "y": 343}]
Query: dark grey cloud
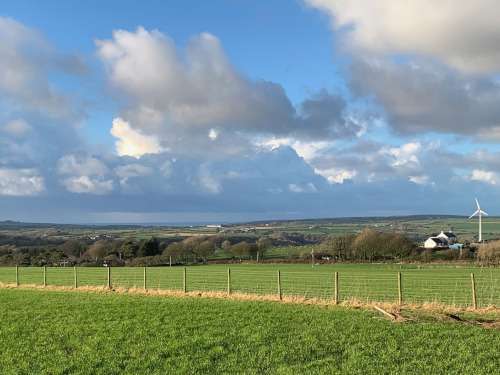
[
  {"x": 73, "y": 64},
  {"x": 418, "y": 99}
]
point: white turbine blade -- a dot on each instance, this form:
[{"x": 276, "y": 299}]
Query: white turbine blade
[
  {"x": 478, "y": 205},
  {"x": 475, "y": 213},
  {"x": 484, "y": 213}
]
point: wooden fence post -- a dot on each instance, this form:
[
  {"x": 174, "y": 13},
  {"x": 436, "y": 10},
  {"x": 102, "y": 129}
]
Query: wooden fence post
[
  {"x": 336, "y": 297},
  {"x": 76, "y": 276},
  {"x": 474, "y": 303},
  {"x": 184, "y": 281},
  {"x": 228, "y": 281},
  {"x": 109, "y": 277},
  {"x": 279, "y": 286},
  {"x": 400, "y": 289},
  {"x": 17, "y": 275},
  {"x": 145, "y": 285},
  {"x": 44, "y": 276}
]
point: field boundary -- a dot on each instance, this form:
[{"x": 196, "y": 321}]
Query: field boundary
[
  {"x": 456, "y": 288},
  {"x": 349, "y": 304}
]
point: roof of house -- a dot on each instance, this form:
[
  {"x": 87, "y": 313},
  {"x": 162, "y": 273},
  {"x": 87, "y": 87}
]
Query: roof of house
[
  {"x": 449, "y": 234},
  {"x": 437, "y": 240}
]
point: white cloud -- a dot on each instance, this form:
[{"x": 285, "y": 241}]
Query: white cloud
[
  {"x": 465, "y": 34},
  {"x": 88, "y": 184},
  {"x": 406, "y": 153},
  {"x": 208, "y": 181},
  {"x": 213, "y": 134},
  {"x": 305, "y": 149},
  {"x": 200, "y": 105},
  {"x": 204, "y": 90},
  {"x": 25, "y": 59},
  {"x": 20, "y": 182},
  {"x": 308, "y": 188},
  {"x": 17, "y": 129},
  {"x": 485, "y": 176},
  {"x": 84, "y": 175},
  {"x": 70, "y": 165},
  {"x": 131, "y": 142},
  {"x": 337, "y": 175},
  {"x": 422, "y": 180}
]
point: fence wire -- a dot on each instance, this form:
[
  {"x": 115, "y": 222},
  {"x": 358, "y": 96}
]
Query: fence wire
[{"x": 449, "y": 286}]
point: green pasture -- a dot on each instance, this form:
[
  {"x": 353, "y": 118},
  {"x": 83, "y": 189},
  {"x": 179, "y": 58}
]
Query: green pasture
[
  {"x": 68, "y": 332},
  {"x": 448, "y": 284}
]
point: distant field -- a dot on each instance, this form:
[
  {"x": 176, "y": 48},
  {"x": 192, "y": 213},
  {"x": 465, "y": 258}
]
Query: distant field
[
  {"x": 65, "y": 332},
  {"x": 364, "y": 282},
  {"x": 417, "y": 227}
]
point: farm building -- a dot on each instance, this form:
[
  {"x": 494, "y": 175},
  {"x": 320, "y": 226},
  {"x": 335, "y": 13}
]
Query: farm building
[
  {"x": 435, "y": 242},
  {"x": 448, "y": 236},
  {"x": 442, "y": 240}
]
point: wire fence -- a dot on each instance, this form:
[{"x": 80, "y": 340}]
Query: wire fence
[{"x": 457, "y": 287}]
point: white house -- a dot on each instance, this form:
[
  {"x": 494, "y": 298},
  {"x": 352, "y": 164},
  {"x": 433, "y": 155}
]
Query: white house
[
  {"x": 435, "y": 242},
  {"x": 448, "y": 237}
]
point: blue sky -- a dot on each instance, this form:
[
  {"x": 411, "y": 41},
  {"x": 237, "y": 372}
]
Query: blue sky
[{"x": 237, "y": 110}]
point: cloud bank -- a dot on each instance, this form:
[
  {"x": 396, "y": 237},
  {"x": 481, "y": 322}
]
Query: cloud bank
[
  {"x": 193, "y": 134},
  {"x": 463, "y": 34}
]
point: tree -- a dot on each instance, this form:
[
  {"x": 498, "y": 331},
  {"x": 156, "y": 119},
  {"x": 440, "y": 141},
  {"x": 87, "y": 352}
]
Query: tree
[
  {"x": 128, "y": 249},
  {"x": 149, "y": 248},
  {"x": 203, "y": 250},
  {"x": 240, "y": 250},
  {"x": 253, "y": 250},
  {"x": 489, "y": 253},
  {"x": 397, "y": 245},
  {"x": 97, "y": 251},
  {"x": 73, "y": 247},
  {"x": 367, "y": 244},
  {"x": 263, "y": 243},
  {"x": 227, "y": 247},
  {"x": 173, "y": 252}
]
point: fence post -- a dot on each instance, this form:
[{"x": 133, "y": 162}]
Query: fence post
[
  {"x": 76, "y": 277},
  {"x": 400, "y": 289},
  {"x": 17, "y": 275},
  {"x": 473, "y": 291},
  {"x": 279, "y": 286},
  {"x": 145, "y": 285},
  {"x": 44, "y": 276},
  {"x": 228, "y": 281},
  {"x": 184, "y": 281},
  {"x": 109, "y": 277},
  {"x": 336, "y": 297}
]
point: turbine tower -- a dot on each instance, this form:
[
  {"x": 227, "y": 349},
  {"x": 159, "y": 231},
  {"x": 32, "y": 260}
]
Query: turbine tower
[{"x": 479, "y": 212}]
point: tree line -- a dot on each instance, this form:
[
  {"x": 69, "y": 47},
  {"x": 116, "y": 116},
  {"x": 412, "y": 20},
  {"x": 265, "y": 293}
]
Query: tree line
[
  {"x": 120, "y": 252},
  {"x": 367, "y": 245}
]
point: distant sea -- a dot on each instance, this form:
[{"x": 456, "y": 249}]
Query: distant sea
[{"x": 164, "y": 224}]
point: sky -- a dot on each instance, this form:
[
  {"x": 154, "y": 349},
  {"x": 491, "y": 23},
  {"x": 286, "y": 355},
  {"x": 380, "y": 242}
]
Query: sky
[{"x": 242, "y": 110}]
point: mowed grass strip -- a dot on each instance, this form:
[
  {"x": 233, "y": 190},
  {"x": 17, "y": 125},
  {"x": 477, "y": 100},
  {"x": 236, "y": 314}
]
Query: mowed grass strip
[
  {"x": 361, "y": 282},
  {"x": 79, "y": 332}
]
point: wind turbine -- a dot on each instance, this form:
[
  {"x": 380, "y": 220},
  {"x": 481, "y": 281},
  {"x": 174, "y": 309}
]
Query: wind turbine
[{"x": 479, "y": 212}]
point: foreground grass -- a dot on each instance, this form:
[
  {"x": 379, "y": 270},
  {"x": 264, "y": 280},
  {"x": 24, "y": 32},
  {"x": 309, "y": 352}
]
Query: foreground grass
[{"x": 69, "y": 332}]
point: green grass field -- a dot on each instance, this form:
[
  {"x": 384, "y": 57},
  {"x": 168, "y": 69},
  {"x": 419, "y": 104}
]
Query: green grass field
[
  {"x": 364, "y": 282},
  {"x": 79, "y": 332}
]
